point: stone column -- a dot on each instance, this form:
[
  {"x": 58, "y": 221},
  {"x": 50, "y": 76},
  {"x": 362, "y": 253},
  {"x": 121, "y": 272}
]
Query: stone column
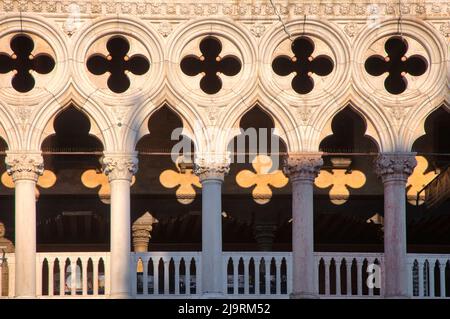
[
  {"x": 141, "y": 229},
  {"x": 211, "y": 171},
  {"x": 25, "y": 169},
  {"x": 264, "y": 235},
  {"x": 120, "y": 168},
  {"x": 302, "y": 169},
  {"x": 394, "y": 170}
]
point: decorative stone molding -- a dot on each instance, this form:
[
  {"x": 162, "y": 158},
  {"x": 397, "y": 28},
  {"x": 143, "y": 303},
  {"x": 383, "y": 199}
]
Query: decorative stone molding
[
  {"x": 141, "y": 231},
  {"x": 302, "y": 166},
  {"x": 24, "y": 166},
  {"x": 359, "y": 8},
  {"x": 212, "y": 166},
  {"x": 121, "y": 166},
  {"x": 395, "y": 166}
]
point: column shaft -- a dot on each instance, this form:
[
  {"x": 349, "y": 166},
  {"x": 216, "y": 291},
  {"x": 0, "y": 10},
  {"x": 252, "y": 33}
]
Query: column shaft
[
  {"x": 120, "y": 239},
  {"x": 302, "y": 169},
  {"x": 120, "y": 169},
  {"x": 212, "y": 236},
  {"x": 211, "y": 170},
  {"x": 25, "y": 253},
  {"x": 25, "y": 169},
  {"x": 394, "y": 170}
]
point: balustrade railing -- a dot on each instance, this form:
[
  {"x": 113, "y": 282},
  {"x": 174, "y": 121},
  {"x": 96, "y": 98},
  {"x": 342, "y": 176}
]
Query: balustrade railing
[
  {"x": 175, "y": 274},
  {"x": 349, "y": 274},
  {"x": 245, "y": 275},
  {"x": 251, "y": 274},
  {"x": 429, "y": 275},
  {"x": 72, "y": 275}
]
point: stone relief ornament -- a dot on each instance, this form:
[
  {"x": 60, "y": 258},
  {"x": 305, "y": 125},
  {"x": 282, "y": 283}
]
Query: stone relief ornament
[
  {"x": 257, "y": 29},
  {"x": 165, "y": 28}
]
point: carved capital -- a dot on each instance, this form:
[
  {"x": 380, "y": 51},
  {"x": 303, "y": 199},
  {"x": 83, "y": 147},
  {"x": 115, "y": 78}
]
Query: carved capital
[
  {"x": 119, "y": 166},
  {"x": 395, "y": 166},
  {"x": 302, "y": 166},
  {"x": 141, "y": 230},
  {"x": 212, "y": 166},
  {"x": 24, "y": 166}
]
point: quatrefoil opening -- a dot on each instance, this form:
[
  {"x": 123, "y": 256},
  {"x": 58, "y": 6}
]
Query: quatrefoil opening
[
  {"x": 22, "y": 63},
  {"x": 210, "y": 65},
  {"x": 396, "y": 64},
  {"x": 303, "y": 64},
  {"x": 117, "y": 63}
]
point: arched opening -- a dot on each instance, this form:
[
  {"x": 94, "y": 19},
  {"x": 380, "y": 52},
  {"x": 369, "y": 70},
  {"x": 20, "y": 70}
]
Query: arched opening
[
  {"x": 428, "y": 189},
  {"x": 7, "y": 220},
  {"x": 348, "y": 204},
  {"x": 72, "y": 215},
  {"x": 256, "y": 182},
  {"x": 166, "y": 187}
]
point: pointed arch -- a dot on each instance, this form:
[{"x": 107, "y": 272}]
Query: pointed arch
[
  {"x": 378, "y": 126},
  {"x": 414, "y": 126},
  {"x": 283, "y": 120},
  {"x": 101, "y": 124},
  {"x": 9, "y": 130},
  {"x": 193, "y": 125}
]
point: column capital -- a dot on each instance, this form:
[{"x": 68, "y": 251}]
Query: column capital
[
  {"x": 395, "y": 166},
  {"x": 24, "y": 165},
  {"x": 302, "y": 166},
  {"x": 119, "y": 166},
  {"x": 212, "y": 166}
]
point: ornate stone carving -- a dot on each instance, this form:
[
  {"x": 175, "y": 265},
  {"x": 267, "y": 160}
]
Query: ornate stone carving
[
  {"x": 445, "y": 29},
  {"x": 164, "y": 28},
  {"x": 304, "y": 114},
  {"x": 395, "y": 166},
  {"x": 6, "y": 246},
  {"x": 24, "y": 166},
  {"x": 187, "y": 10},
  {"x": 264, "y": 235},
  {"x": 119, "y": 166},
  {"x": 141, "y": 232},
  {"x": 212, "y": 166},
  {"x": 302, "y": 166},
  {"x": 257, "y": 29},
  {"x": 351, "y": 29}
]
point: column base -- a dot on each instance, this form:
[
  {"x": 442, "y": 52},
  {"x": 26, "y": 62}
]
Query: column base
[
  {"x": 397, "y": 297},
  {"x": 120, "y": 295},
  {"x": 25, "y": 297},
  {"x": 212, "y": 295},
  {"x": 302, "y": 295}
]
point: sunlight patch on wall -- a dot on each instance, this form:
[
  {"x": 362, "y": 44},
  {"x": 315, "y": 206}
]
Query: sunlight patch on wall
[
  {"x": 262, "y": 179},
  {"x": 92, "y": 179},
  {"x": 46, "y": 180},
  {"x": 184, "y": 179},
  {"x": 418, "y": 180},
  {"x": 340, "y": 179}
]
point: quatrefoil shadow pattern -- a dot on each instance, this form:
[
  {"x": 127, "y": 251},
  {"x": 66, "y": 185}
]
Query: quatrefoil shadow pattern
[
  {"x": 396, "y": 64},
  {"x": 210, "y": 64},
  {"x": 117, "y": 63},
  {"x": 22, "y": 62},
  {"x": 303, "y": 64}
]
